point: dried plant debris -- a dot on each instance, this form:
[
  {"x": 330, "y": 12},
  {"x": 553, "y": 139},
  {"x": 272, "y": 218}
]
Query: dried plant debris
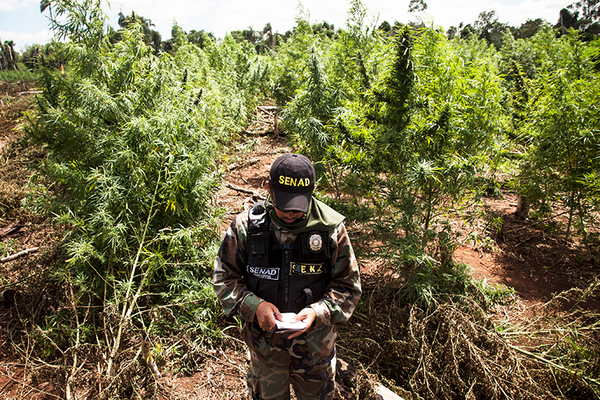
[{"x": 457, "y": 350}]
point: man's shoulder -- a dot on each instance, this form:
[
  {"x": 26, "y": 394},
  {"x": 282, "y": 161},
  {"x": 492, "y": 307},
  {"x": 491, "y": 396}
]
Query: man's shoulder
[
  {"x": 242, "y": 219},
  {"x": 255, "y": 214},
  {"x": 338, "y": 232},
  {"x": 242, "y": 214}
]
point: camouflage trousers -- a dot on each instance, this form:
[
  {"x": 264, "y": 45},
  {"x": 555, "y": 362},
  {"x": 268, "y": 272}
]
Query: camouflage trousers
[{"x": 306, "y": 362}]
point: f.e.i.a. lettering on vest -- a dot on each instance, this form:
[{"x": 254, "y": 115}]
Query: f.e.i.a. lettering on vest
[{"x": 289, "y": 181}]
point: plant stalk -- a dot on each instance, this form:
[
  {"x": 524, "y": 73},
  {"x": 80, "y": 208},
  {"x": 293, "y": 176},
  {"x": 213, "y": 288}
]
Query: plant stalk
[{"x": 129, "y": 305}]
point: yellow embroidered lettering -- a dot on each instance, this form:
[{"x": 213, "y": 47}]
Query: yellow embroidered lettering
[
  {"x": 293, "y": 182},
  {"x": 312, "y": 269},
  {"x": 287, "y": 181},
  {"x": 301, "y": 182},
  {"x": 303, "y": 269},
  {"x": 281, "y": 179},
  {"x": 306, "y": 182}
]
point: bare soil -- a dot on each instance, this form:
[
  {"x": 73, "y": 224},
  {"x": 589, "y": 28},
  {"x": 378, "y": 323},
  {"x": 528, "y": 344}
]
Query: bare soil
[
  {"x": 535, "y": 260},
  {"x": 17, "y": 377},
  {"x": 527, "y": 256}
]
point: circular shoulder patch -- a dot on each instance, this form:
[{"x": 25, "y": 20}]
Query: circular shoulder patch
[{"x": 315, "y": 242}]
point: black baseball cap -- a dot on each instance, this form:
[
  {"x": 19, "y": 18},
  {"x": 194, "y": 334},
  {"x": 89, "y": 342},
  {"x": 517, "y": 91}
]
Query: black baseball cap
[{"x": 292, "y": 181}]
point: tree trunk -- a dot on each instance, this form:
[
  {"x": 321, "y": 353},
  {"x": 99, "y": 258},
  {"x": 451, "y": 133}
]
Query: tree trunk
[
  {"x": 3, "y": 57},
  {"x": 276, "y": 124},
  {"x": 11, "y": 52},
  {"x": 522, "y": 211},
  {"x": 272, "y": 39}
]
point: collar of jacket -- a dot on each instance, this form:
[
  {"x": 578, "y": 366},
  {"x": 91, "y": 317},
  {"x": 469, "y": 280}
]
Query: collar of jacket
[{"x": 320, "y": 217}]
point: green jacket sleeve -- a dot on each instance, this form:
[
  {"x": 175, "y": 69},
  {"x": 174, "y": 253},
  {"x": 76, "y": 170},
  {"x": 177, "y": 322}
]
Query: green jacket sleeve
[
  {"x": 343, "y": 293},
  {"x": 228, "y": 281}
]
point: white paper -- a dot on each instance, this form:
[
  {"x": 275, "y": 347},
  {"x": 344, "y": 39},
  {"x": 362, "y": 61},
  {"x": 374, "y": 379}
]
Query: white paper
[{"x": 286, "y": 325}]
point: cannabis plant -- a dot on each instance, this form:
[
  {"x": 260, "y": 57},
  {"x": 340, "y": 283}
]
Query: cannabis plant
[
  {"x": 563, "y": 130},
  {"x": 132, "y": 141}
]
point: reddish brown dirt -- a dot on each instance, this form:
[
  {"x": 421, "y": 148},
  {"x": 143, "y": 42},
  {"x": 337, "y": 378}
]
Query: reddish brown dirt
[
  {"x": 223, "y": 377},
  {"x": 521, "y": 255},
  {"x": 526, "y": 256},
  {"x": 17, "y": 377}
]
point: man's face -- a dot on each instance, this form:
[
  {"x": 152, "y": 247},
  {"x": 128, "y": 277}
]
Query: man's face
[{"x": 288, "y": 217}]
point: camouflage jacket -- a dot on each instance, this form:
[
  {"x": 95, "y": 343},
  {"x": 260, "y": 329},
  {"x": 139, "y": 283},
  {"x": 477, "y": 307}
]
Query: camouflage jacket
[{"x": 336, "y": 306}]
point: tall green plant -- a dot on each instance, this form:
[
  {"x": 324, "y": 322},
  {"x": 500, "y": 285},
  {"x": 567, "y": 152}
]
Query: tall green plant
[
  {"x": 132, "y": 140},
  {"x": 310, "y": 116},
  {"x": 564, "y": 128},
  {"x": 353, "y": 63},
  {"x": 290, "y": 60},
  {"x": 408, "y": 130},
  {"x": 394, "y": 94}
]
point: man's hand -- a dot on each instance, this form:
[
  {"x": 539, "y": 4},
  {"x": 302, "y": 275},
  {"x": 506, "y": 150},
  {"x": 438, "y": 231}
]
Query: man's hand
[
  {"x": 266, "y": 314},
  {"x": 306, "y": 315}
]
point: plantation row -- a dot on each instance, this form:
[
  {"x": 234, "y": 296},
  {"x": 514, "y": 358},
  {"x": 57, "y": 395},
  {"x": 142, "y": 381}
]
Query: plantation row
[{"x": 405, "y": 131}]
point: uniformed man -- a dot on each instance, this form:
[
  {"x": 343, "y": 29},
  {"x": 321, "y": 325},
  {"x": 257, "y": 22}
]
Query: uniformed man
[{"x": 291, "y": 254}]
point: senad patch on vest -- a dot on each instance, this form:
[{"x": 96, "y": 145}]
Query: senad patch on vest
[
  {"x": 271, "y": 274},
  {"x": 306, "y": 269}
]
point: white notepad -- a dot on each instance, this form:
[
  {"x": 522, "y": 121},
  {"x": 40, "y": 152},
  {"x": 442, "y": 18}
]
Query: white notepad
[{"x": 286, "y": 325}]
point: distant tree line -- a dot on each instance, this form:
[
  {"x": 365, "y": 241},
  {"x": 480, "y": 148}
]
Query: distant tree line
[
  {"x": 582, "y": 16},
  {"x": 32, "y": 58}
]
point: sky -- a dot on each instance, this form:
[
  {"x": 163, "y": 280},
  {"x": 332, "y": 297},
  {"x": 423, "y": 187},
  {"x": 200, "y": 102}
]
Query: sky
[{"x": 22, "y": 22}]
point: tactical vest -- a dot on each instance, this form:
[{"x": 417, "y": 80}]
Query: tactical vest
[{"x": 292, "y": 275}]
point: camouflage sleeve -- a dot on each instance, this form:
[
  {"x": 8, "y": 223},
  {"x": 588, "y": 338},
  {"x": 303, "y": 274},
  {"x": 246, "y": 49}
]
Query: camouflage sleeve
[
  {"x": 341, "y": 297},
  {"x": 228, "y": 281}
]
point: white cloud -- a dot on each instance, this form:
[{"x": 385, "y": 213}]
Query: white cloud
[
  {"x": 532, "y": 9},
  {"x": 445, "y": 13},
  {"x": 14, "y": 5},
  {"x": 41, "y": 37},
  {"x": 513, "y": 12},
  {"x": 237, "y": 15},
  {"x": 221, "y": 16}
]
